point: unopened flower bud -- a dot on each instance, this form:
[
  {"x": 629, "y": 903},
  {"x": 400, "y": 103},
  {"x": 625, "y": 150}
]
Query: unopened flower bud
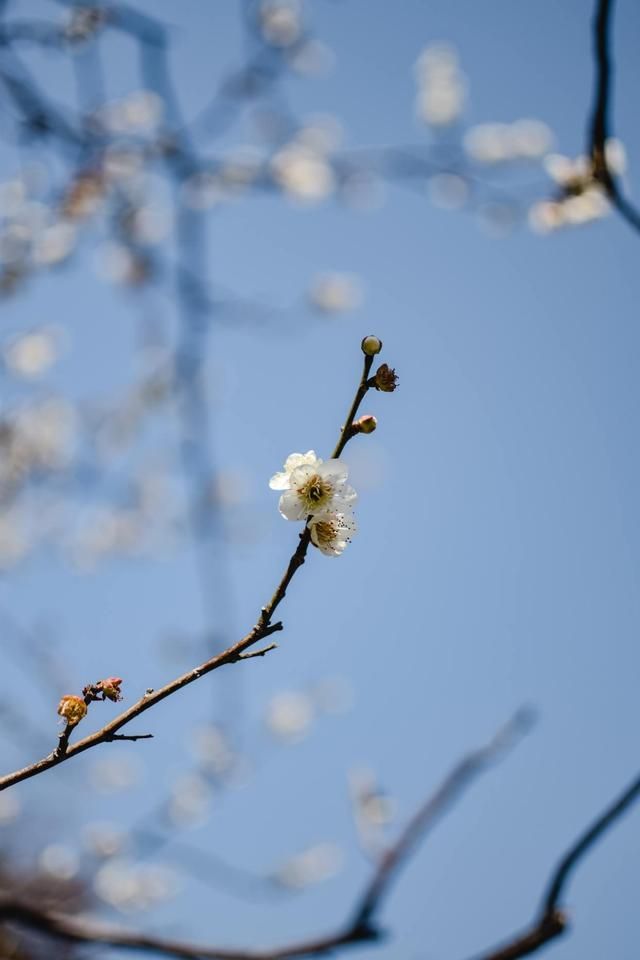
[
  {"x": 385, "y": 379},
  {"x": 365, "y": 424},
  {"x": 72, "y": 709},
  {"x": 371, "y": 345},
  {"x": 111, "y": 688}
]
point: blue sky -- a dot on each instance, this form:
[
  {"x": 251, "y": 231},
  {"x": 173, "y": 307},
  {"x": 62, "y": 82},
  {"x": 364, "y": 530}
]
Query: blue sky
[{"x": 498, "y": 555}]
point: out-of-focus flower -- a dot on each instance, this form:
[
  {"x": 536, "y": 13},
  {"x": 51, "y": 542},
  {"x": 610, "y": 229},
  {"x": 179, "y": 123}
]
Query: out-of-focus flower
[
  {"x": 316, "y": 488},
  {"x": 546, "y": 215},
  {"x": 104, "y": 839},
  {"x": 34, "y": 440},
  {"x": 322, "y": 132},
  {"x": 441, "y": 86},
  {"x": 84, "y": 195},
  {"x": 30, "y": 354},
  {"x": 125, "y": 265},
  {"x": 115, "y": 773},
  {"x": 290, "y": 715},
  {"x": 373, "y": 809},
  {"x": 213, "y": 750},
  {"x": 582, "y": 198},
  {"x": 335, "y": 293},
  {"x": 319, "y": 862},
  {"x": 59, "y": 860},
  {"x": 332, "y": 531},
  {"x": 130, "y": 887},
  {"x": 303, "y": 173},
  {"x": 139, "y": 112},
  {"x": 281, "y": 21},
  {"x": 190, "y": 800},
  {"x": 54, "y": 244},
  {"x": 616, "y": 156},
  {"x": 72, "y": 709},
  {"x": 568, "y": 173},
  {"x": 505, "y": 142},
  {"x": 122, "y": 163},
  {"x": 107, "y": 531}
]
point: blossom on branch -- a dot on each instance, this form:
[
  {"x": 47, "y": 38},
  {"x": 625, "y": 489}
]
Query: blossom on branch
[
  {"x": 316, "y": 488},
  {"x": 332, "y": 531},
  {"x": 72, "y": 709},
  {"x": 280, "y": 481}
]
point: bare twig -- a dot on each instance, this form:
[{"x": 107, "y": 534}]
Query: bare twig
[
  {"x": 600, "y": 124},
  {"x": 362, "y": 926},
  {"x": 237, "y": 651},
  {"x": 258, "y": 653},
  {"x": 552, "y": 920}
]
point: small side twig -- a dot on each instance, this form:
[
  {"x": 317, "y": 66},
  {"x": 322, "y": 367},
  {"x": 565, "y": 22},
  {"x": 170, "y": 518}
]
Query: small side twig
[{"x": 258, "y": 653}]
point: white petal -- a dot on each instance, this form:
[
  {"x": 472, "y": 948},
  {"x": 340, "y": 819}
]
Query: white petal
[
  {"x": 290, "y": 506},
  {"x": 344, "y": 498},
  {"x": 298, "y": 459},
  {"x": 330, "y": 549},
  {"x": 279, "y": 481},
  {"x": 344, "y": 525},
  {"x": 300, "y": 475},
  {"x": 335, "y": 470}
]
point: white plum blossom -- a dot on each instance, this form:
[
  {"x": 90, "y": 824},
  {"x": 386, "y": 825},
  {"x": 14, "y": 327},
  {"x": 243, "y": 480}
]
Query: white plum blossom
[
  {"x": 315, "y": 488},
  {"x": 317, "y": 491},
  {"x": 332, "y": 531},
  {"x": 280, "y": 481}
]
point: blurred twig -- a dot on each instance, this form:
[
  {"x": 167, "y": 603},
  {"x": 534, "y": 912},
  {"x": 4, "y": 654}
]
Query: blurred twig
[
  {"x": 361, "y": 928},
  {"x": 552, "y": 920},
  {"x": 600, "y": 125}
]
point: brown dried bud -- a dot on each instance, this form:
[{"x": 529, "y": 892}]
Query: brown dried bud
[
  {"x": 72, "y": 709},
  {"x": 371, "y": 345},
  {"x": 365, "y": 424},
  {"x": 111, "y": 688},
  {"x": 385, "y": 379}
]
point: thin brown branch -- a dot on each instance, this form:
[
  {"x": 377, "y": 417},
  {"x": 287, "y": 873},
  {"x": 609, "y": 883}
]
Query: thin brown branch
[
  {"x": 258, "y": 653},
  {"x": 552, "y": 921},
  {"x": 362, "y": 926},
  {"x": 133, "y": 737},
  {"x": 237, "y": 651},
  {"x": 600, "y": 124}
]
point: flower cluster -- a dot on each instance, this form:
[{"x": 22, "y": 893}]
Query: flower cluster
[{"x": 318, "y": 492}]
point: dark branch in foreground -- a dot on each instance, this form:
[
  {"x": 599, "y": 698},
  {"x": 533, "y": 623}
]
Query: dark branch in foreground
[
  {"x": 236, "y": 652},
  {"x": 600, "y": 125},
  {"x": 552, "y": 920},
  {"x": 361, "y": 928}
]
